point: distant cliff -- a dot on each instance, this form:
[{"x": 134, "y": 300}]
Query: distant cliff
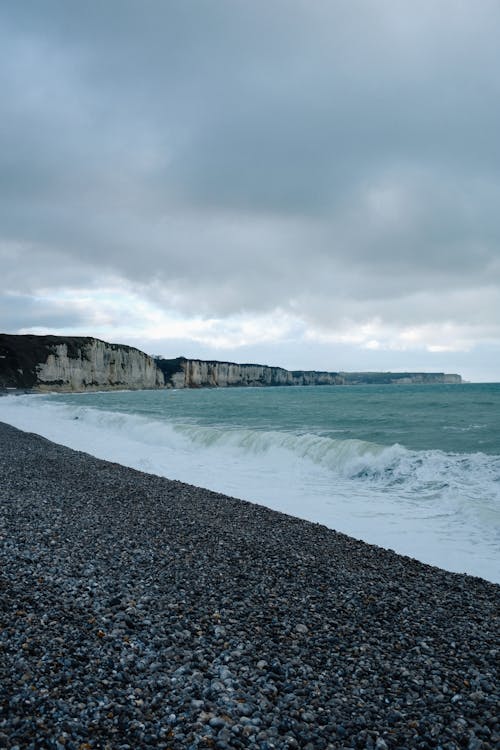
[
  {"x": 199, "y": 373},
  {"x": 73, "y": 363},
  {"x": 399, "y": 378},
  {"x": 77, "y": 363}
]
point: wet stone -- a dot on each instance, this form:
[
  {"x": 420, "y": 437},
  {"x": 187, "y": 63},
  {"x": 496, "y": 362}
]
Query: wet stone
[{"x": 142, "y": 613}]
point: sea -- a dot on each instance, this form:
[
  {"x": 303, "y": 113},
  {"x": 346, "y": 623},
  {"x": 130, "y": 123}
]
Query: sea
[{"x": 413, "y": 468}]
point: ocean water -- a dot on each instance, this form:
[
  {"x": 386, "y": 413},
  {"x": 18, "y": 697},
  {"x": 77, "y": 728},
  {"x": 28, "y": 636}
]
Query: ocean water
[{"x": 412, "y": 468}]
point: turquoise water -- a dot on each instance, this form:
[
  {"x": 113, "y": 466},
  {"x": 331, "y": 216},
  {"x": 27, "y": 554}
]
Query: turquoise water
[
  {"x": 413, "y": 468},
  {"x": 461, "y": 418}
]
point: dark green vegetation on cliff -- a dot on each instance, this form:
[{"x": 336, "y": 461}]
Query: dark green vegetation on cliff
[{"x": 20, "y": 355}]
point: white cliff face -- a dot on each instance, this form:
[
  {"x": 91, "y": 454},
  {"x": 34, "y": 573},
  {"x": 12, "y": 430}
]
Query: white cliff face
[
  {"x": 199, "y": 374},
  {"x": 196, "y": 373},
  {"x": 97, "y": 365},
  {"x": 75, "y": 363}
]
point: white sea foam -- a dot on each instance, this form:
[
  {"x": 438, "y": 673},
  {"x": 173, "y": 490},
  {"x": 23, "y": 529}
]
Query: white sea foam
[{"x": 442, "y": 508}]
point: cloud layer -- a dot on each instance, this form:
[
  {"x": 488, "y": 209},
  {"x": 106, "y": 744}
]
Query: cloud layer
[{"x": 330, "y": 167}]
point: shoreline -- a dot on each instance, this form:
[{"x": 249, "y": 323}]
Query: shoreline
[
  {"x": 143, "y": 612},
  {"x": 440, "y": 530}
]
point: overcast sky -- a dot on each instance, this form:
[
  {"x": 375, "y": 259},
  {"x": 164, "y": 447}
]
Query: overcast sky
[{"x": 303, "y": 183}]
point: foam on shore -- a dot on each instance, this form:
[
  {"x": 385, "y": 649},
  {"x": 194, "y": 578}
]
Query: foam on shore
[{"x": 439, "y": 507}]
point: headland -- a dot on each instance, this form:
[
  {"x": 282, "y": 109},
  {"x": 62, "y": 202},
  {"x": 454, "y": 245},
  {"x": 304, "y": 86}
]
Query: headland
[{"x": 77, "y": 363}]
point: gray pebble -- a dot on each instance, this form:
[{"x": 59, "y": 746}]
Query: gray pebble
[{"x": 142, "y": 613}]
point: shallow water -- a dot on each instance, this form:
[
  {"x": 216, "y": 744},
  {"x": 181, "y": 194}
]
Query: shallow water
[{"x": 412, "y": 468}]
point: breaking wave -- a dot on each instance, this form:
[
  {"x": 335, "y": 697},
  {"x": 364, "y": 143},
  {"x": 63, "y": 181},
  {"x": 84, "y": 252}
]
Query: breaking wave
[{"x": 439, "y": 507}]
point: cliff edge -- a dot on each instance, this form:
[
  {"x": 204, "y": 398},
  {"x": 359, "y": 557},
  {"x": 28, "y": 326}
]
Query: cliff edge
[
  {"x": 73, "y": 363},
  {"x": 81, "y": 363},
  {"x": 199, "y": 373}
]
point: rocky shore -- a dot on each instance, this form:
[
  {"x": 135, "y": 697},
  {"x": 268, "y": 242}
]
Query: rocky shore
[{"x": 137, "y": 612}]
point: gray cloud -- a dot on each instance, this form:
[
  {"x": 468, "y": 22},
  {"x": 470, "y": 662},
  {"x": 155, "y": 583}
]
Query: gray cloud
[
  {"x": 336, "y": 160},
  {"x": 24, "y": 312}
]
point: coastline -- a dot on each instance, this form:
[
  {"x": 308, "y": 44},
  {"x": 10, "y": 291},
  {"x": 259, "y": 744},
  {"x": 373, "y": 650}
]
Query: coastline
[
  {"x": 143, "y": 612},
  {"x": 83, "y": 363}
]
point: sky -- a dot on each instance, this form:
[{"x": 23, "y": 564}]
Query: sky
[{"x": 308, "y": 184}]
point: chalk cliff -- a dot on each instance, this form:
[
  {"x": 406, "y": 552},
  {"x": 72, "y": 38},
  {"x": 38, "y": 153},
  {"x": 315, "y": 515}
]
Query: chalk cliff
[
  {"x": 197, "y": 373},
  {"x": 398, "y": 378},
  {"x": 74, "y": 363}
]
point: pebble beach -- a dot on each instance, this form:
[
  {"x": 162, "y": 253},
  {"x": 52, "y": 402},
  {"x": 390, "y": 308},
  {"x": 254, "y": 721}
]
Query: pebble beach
[{"x": 139, "y": 612}]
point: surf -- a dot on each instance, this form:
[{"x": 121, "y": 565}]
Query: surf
[{"x": 439, "y": 506}]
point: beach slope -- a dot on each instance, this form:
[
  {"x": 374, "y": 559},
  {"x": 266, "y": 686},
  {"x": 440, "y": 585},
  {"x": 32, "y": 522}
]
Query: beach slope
[{"x": 137, "y": 612}]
